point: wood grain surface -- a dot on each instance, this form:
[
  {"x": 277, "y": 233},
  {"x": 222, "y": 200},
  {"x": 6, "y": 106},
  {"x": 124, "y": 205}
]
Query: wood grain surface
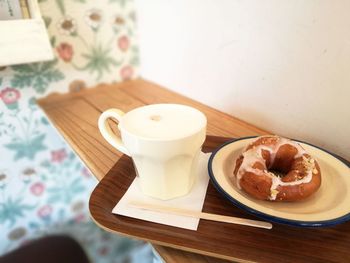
[
  {"x": 179, "y": 256},
  {"x": 75, "y": 116}
]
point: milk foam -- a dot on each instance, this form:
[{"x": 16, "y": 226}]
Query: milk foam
[{"x": 163, "y": 121}]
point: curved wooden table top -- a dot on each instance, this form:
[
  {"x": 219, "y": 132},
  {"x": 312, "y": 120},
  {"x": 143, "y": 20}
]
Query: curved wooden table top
[{"x": 75, "y": 117}]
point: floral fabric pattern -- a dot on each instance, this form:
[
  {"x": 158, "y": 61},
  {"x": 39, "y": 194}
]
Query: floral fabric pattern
[
  {"x": 36, "y": 75},
  {"x": 20, "y": 132},
  {"x": 44, "y": 187}
]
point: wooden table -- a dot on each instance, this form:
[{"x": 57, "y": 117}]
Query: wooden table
[{"x": 75, "y": 116}]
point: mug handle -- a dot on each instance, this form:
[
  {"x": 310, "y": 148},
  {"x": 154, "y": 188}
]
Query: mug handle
[{"x": 107, "y": 132}]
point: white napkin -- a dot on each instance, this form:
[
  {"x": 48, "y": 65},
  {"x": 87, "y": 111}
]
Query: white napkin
[{"x": 192, "y": 201}]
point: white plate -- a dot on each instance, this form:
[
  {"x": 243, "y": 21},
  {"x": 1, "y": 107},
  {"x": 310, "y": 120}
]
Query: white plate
[{"x": 330, "y": 205}]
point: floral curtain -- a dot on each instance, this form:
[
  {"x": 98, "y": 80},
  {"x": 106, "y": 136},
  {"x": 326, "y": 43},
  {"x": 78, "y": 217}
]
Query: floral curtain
[{"x": 44, "y": 187}]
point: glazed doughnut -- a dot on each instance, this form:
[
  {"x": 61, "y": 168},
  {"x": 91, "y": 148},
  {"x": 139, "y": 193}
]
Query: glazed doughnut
[{"x": 277, "y": 169}]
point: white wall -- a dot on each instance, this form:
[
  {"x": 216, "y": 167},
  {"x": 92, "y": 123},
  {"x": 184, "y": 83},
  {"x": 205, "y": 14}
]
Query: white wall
[{"x": 282, "y": 65}]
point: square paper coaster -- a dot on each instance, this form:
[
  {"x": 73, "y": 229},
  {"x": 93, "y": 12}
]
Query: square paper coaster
[{"x": 192, "y": 201}]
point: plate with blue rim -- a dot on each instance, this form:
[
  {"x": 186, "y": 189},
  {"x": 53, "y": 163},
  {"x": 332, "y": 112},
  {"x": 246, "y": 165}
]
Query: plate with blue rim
[{"x": 330, "y": 205}]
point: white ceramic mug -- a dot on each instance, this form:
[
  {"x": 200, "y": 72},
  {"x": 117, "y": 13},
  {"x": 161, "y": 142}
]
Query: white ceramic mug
[{"x": 164, "y": 141}]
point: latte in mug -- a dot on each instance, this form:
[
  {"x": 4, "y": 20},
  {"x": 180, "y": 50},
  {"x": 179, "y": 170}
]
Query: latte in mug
[{"x": 164, "y": 141}]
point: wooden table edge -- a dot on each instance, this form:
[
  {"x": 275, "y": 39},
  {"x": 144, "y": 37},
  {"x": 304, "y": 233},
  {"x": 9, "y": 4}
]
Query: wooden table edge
[{"x": 197, "y": 251}]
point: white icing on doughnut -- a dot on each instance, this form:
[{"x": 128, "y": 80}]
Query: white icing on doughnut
[
  {"x": 249, "y": 158},
  {"x": 276, "y": 181},
  {"x": 253, "y": 155}
]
